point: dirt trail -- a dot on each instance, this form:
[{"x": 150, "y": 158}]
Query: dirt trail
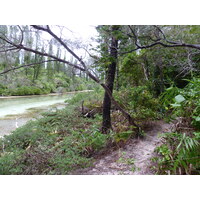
[{"x": 133, "y": 159}]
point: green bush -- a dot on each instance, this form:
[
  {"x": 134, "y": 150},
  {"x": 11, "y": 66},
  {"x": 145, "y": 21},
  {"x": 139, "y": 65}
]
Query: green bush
[
  {"x": 179, "y": 154},
  {"x": 24, "y": 90},
  {"x": 2, "y": 91},
  {"x": 186, "y": 102},
  {"x": 139, "y": 102},
  {"x": 181, "y": 151},
  {"x": 87, "y": 97},
  {"x": 10, "y": 163}
]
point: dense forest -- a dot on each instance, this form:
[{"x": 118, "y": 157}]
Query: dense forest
[{"x": 141, "y": 79}]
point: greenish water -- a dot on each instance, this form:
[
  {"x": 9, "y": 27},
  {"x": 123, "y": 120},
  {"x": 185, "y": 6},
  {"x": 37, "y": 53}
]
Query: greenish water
[
  {"x": 16, "y": 111},
  {"x": 16, "y": 106}
]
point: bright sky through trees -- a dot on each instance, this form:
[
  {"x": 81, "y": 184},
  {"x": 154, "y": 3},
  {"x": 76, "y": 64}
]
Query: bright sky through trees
[{"x": 81, "y": 35}]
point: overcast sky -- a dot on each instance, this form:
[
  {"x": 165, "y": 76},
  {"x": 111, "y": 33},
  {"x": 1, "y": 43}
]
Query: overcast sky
[
  {"x": 83, "y": 31},
  {"x": 80, "y": 33}
]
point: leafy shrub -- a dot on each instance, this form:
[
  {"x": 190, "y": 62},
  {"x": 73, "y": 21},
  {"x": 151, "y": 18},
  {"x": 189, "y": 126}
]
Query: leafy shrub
[
  {"x": 91, "y": 99},
  {"x": 44, "y": 86},
  {"x": 10, "y": 163},
  {"x": 166, "y": 98},
  {"x": 2, "y": 86},
  {"x": 139, "y": 102},
  {"x": 25, "y": 90},
  {"x": 23, "y": 137},
  {"x": 187, "y": 103},
  {"x": 179, "y": 154},
  {"x": 2, "y": 91},
  {"x": 61, "y": 80},
  {"x": 123, "y": 136}
]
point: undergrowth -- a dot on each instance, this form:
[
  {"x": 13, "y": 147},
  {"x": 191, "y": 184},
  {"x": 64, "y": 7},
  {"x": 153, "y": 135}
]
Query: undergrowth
[
  {"x": 60, "y": 141},
  {"x": 140, "y": 103},
  {"x": 180, "y": 152},
  {"x": 57, "y": 143}
]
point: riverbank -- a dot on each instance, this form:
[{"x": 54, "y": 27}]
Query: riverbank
[
  {"x": 15, "y": 105},
  {"x": 51, "y": 94},
  {"x": 17, "y": 115},
  {"x": 63, "y": 142},
  {"x": 11, "y": 122},
  {"x": 17, "y": 111},
  {"x": 57, "y": 143}
]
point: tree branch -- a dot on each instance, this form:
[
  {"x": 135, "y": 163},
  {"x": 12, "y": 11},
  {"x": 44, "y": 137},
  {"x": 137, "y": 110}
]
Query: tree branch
[
  {"x": 55, "y": 58},
  {"x": 25, "y": 66},
  {"x": 48, "y": 30},
  {"x": 166, "y": 43},
  {"x": 21, "y": 46},
  {"x": 11, "y": 49},
  {"x": 194, "y": 46}
]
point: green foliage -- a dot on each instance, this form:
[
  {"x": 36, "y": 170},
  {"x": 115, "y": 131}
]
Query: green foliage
[
  {"x": 44, "y": 86},
  {"x": 184, "y": 102},
  {"x": 91, "y": 99},
  {"x": 139, "y": 102},
  {"x": 166, "y": 98},
  {"x": 57, "y": 143},
  {"x": 131, "y": 72},
  {"x": 123, "y": 136},
  {"x": 181, "y": 152},
  {"x": 187, "y": 103},
  {"x": 2, "y": 89},
  {"x": 78, "y": 84},
  {"x": 25, "y": 90},
  {"x": 179, "y": 155},
  {"x": 61, "y": 80},
  {"x": 10, "y": 163}
]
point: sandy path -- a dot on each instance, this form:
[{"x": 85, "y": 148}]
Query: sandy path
[{"x": 133, "y": 159}]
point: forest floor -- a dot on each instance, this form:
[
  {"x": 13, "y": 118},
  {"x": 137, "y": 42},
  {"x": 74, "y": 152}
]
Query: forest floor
[{"x": 134, "y": 158}]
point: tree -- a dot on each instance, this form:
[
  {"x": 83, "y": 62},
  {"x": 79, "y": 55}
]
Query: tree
[
  {"x": 110, "y": 77},
  {"x": 171, "y": 59},
  {"x": 18, "y": 44},
  {"x": 135, "y": 38}
]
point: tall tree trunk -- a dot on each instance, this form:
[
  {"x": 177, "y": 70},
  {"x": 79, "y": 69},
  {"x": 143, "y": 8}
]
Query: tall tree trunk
[
  {"x": 117, "y": 77},
  {"x": 161, "y": 75},
  {"x": 110, "y": 77}
]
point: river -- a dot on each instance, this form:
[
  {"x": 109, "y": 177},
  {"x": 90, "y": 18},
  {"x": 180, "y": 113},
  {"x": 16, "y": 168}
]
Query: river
[{"x": 16, "y": 111}]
